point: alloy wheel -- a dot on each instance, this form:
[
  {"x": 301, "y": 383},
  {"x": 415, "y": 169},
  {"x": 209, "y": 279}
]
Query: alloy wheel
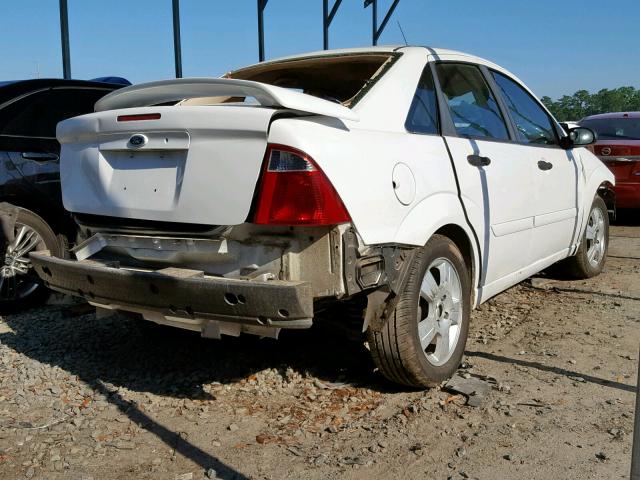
[
  {"x": 440, "y": 311},
  {"x": 595, "y": 237},
  {"x": 17, "y": 279}
]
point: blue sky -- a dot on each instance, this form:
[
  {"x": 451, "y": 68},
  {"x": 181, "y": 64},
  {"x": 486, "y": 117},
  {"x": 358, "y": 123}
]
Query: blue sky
[{"x": 556, "y": 47}]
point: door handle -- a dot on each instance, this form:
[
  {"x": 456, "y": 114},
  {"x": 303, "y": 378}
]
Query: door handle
[
  {"x": 478, "y": 161},
  {"x": 543, "y": 165},
  {"x": 39, "y": 157}
]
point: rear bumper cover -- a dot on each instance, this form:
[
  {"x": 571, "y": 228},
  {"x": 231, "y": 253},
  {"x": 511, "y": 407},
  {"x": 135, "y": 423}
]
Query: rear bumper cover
[{"x": 181, "y": 293}]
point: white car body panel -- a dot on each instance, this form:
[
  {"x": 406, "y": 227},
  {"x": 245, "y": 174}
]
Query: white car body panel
[
  {"x": 164, "y": 181},
  {"x": 517, "y": 218}
]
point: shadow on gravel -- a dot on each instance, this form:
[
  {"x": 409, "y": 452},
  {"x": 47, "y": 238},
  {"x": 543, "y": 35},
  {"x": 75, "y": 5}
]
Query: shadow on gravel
[
  {"x": 145, "y": 357},
  {"x": 552, "y": 369},
  {"x": 170, "y": 438},
  {"x": 124, "y": 352}
]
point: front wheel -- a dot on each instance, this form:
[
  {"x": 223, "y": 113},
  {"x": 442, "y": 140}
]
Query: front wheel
[
  {"x": 591, "y": 255},
  {"x": 423, "y": 341}
]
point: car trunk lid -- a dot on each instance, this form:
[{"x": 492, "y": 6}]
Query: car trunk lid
[{"x": 196, "y": 164}]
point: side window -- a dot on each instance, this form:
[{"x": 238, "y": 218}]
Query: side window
[
  {"x": 37, "y": 115},
  {"x": 473, "y": 107},
  {"x": 532, "y": 122},
  {"x": 423, "y": 113}
]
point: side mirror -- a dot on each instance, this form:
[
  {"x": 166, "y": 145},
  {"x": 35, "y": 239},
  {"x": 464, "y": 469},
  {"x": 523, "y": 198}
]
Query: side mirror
[{"x": 578, "y": 137}]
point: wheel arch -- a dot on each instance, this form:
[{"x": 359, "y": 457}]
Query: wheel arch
[
  {"x": 608, "y": 194},
  {"x": 465, "y": 244},
  {"x": 442, "y": 213},
  {"x": 58, "y": 220},
  {"x": 599, "y": 183}
]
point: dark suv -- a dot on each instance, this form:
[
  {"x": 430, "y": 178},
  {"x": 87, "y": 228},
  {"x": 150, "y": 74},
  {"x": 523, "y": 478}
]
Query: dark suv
[{"x": 31, "y": 212}]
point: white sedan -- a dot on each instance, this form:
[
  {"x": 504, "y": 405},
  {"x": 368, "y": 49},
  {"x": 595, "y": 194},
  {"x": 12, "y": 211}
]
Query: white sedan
[{"x": 405, "y": 184}]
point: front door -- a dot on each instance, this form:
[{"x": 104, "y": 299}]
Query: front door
[
  {"x": 494, "y": 175},
  {"x": 555, "y": 172}
]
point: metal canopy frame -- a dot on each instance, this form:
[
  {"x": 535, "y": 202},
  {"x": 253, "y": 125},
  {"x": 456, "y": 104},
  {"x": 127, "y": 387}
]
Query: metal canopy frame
[
  {"x": 262, "y": 4},
  {"x": 177, "y": 48},
  {"x": 64, "y": 37},
  {"x": 376, "y": 30},
  {"x": 327, "y": 17}
]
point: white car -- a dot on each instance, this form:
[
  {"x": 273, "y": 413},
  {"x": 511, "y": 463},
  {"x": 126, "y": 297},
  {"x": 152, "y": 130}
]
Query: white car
[{"x": 408, "y": 184}]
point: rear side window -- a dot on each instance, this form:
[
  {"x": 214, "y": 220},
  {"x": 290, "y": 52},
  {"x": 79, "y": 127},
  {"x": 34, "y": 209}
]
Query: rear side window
[
  {"x": 37, "y": 115},
  {"x": 423, "y": 113},
  {"x": 474, "y": 110},
  {"x": 533, "y": 124}
]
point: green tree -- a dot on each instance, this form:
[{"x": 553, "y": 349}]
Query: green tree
[{"x": 582, "y": 103}]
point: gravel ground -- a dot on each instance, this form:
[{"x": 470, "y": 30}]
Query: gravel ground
[{"x": 87, "y": 398}]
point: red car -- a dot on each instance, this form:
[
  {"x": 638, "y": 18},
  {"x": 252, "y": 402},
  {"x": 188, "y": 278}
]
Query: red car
[{"x": 618, "y": 146}]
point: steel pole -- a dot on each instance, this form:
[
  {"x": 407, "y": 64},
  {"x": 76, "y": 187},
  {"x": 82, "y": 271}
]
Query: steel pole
[
  {"x": 177, "y": 47},
  {"x": 635, "y": 451},
  {"x": 64, "y": 36},
  {"x": 385, "y": 20},
  {"x": 261, "y": 6},
  {"x": 327, "y": 18},
  {"x": 374, "y": 16},
  {"x": 325, "y": 24}
]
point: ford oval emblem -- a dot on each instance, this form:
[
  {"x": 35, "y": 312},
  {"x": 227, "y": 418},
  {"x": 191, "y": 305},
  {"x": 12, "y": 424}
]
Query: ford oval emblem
[{"x": 138, "y": 140}]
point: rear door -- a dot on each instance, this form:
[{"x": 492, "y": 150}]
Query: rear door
[
  {"x": 494, "y": 173},
  {"x": 555, "y": 171}
]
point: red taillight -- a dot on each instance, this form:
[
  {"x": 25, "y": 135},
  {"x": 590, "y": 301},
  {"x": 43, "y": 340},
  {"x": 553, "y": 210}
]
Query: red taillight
[
  {"x": 140, "y": 116},
  {"x": 294, "y": 191}
]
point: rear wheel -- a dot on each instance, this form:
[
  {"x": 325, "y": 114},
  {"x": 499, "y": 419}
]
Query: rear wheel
[
  {"x": 423, "y": 341},
  {"x": 20, "y": 287},
  {"x": 591, "y": 255}
]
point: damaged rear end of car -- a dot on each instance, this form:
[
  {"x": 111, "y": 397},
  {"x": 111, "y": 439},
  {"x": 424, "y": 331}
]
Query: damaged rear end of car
[{"x": 191, "y": 217}]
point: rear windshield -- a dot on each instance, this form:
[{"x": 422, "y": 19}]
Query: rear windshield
[
  {"x": 614, "y": 128},
  {"x": 342, "y": 79}
]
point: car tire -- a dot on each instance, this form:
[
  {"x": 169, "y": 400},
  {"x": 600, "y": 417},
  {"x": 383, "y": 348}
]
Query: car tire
[
  {"x": 430, "y": 306},
  {"x": 591, "y": 256},
  {"x": 24, "y": 290}
]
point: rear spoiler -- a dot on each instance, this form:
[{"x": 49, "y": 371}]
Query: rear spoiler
[{"x": 154, "y": 93}]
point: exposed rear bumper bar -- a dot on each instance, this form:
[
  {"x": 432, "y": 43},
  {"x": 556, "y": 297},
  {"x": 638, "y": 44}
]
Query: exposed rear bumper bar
[{"x": 181, "y": 293}]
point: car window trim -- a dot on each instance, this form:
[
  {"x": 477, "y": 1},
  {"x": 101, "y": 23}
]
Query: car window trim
[
  {"x": 502, "y": 105},
  {"x": 31, "y": 93},
  {"x": 447, "y": 128},
  {"x": 489, "y": 73},
  {"x": 438, "y": 132},
  {"x": 444, "y": 105},
  {"x": 46, "y": 89}
]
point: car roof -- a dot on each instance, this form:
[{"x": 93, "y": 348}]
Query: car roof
[
  {"x": 612, "y": 115},
  {"x": 16, "y": 88}
]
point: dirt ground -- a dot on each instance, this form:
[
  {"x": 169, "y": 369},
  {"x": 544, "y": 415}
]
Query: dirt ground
[{"x": 87, "y": 398}]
